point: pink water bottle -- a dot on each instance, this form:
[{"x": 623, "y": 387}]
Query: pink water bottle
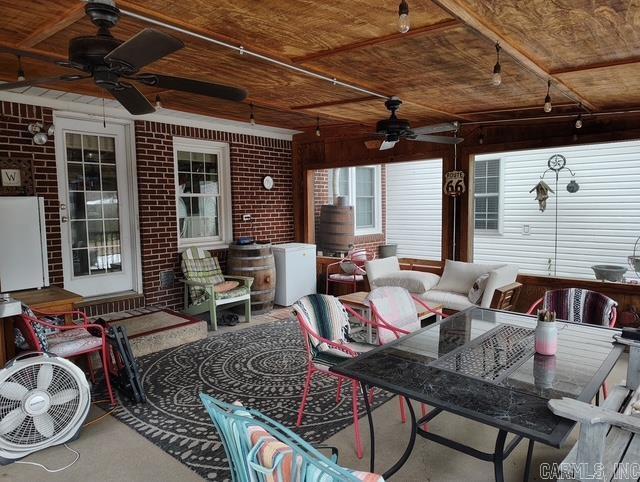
[{"x": 546, "y": 333}]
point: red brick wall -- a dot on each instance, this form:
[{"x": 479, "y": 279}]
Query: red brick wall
[
  {"x": 252, "y": 158},
  {"x": 321, "y": 197},
  {"x": 16, "y": 142}
]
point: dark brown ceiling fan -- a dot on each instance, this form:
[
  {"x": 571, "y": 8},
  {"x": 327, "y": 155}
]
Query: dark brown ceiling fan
[
  {"x": 391, "y": 130},
  {"x": 113, "y": 64}
]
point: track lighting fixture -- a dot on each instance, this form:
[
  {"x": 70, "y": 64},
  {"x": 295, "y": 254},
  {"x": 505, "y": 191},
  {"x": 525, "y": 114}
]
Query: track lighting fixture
[
  {"x": 318, "y": 126},
  {"x": 21, "y": 75},
  {"x": 252, "y": 117},
  {"x": 497, "y": 69},
  {"x": 158, "y": 102},
  {"x": 403, "y": 17},
  {"x": 40, "y": 134},
  {"x": 547, "y": 99}
]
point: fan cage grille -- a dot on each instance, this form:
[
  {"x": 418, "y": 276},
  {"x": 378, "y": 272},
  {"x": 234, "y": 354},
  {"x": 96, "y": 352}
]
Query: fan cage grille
[{"x": 26, "y": 433}]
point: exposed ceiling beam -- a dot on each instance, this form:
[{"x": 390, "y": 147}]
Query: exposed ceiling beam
[
  {"x": 414, "y": 32},
  {"x": 459, "y": 10},
  {"x": 49, "y": 29},
  {"x": 601, "y": 65},
  {"x": 515, "y": 109}
]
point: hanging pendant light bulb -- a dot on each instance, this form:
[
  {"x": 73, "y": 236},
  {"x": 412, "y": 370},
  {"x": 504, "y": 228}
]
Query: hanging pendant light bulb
[
  {"x": 158, "y": 102},
  {"x": 579, "y": 121},
  {"x": 21, "y": 75},
  {"x": 496, "y": 80},
  {"x": 252, "y": 117},
  {"x": 403, "y": 17},
  {"x": 547, "y": 99},
  {"x": 318, "y": 126}
]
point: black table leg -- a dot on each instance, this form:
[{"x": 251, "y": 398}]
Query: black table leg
[
  {"x": 527, "y": 465},
  {"x": 498, "y": 456},
  {"x": 409, "y": 449},
  {"x": 372, "y": 435}
]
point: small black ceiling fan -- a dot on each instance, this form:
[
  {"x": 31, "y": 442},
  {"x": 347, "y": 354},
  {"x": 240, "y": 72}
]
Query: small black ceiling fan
[
  {"x": 394, "y": 129},
  {"x": 113, "y": 64}
]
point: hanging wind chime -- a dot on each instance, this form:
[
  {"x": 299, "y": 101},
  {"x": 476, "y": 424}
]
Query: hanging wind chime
[{"x": 556, "y": 164}]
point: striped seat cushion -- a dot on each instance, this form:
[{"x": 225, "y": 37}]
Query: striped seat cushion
[
  {"x": 580, "y": 306},
  {"x": 326, "y": 317},
  {"x": 198, "y": 265}
]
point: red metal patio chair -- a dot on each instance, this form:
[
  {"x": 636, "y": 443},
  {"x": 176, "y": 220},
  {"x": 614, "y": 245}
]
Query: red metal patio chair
[
  {"x": 69, "y": 341},
  {"x": 322, "y": 353},
  {"x": 349, "y": 270}
]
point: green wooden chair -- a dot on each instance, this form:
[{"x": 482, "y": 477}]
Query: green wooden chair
[{"x": 201, "y": 275}]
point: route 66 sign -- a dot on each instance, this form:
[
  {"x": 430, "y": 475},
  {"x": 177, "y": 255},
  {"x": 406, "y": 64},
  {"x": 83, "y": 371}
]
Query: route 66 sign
[{"x": 454, "y": 183}]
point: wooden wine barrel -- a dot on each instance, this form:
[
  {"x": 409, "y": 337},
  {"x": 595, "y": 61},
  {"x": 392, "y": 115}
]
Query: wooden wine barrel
[
  {"x": 335, "y": 229},
  {"x": 255, "y": 261}
]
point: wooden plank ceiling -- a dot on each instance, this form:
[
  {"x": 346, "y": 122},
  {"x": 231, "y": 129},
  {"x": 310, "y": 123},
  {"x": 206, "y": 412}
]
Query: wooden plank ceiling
[{"x": 441, "y": 69}]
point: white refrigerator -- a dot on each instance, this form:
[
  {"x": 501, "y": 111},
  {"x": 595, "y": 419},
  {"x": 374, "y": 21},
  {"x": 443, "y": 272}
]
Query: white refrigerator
[
  {"x": 295, "y": 271},
  {"x": 23, "y": 244}
]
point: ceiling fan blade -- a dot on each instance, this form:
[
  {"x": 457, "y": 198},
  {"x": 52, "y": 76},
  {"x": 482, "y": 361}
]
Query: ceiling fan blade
[
  {"x": 436, "y": 139},
  {"x": 12, "y": 420},
  {"x": 64, "y": 396},
  {"x": 132, "y": 99},
  {"x": 43, "y": 80},
  {"x": 45, "y": 375},
  {"x": 143, "y": 49},
  {"x": 13, "y": 391},
  {"x": 196, "y": 87},
  {"x": 44, "y": 424},
  {"x": 387, "y": 145},
  {"x": 432, "y": 129}
]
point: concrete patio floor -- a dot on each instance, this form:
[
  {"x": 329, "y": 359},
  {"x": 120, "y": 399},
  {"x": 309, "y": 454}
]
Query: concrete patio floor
[{"x": 111, "y": 451}]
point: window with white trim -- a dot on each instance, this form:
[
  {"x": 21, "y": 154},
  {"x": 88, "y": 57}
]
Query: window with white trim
[
  {"x": 362, "y": 187},
  {"x": 203, "y": 193},
  {"x": 487, "y": 195}
]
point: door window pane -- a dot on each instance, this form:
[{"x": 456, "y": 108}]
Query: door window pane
[{"x": 93, "y": 204}]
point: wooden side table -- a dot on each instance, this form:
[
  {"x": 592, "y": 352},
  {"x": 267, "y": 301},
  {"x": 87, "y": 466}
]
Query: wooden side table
[{"x": 52, "y": 299}]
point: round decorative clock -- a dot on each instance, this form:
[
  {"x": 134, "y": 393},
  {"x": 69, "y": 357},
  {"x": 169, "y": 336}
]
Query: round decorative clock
[{"x": 267, "y": 182}]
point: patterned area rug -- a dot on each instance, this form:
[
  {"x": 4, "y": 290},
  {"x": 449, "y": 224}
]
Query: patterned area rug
[{"x": 264, "y": 367}]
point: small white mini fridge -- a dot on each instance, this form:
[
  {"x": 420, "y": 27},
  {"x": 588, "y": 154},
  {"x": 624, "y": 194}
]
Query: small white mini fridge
[
  {"x": 295, "y": 271},
  {"x": 23, "y": 244}
]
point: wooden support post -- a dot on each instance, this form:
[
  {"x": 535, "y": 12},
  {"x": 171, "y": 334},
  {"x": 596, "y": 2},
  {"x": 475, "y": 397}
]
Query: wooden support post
[{"x": 591, "y": 447}]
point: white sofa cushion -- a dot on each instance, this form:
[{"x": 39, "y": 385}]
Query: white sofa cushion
[
  {"x": 377, "y": 268},
  {"x": 498, "y": 277},
  {"x": 448, "y": 299},
  {"x": 413, "y": 281},
  {"x": 459, "y": 276}
]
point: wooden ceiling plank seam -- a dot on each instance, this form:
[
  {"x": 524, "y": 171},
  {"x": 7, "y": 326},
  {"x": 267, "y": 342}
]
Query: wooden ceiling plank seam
[
  {"x": 51, "y": 28},
  {"x": 335, "y": 102},
  {"x": 596, "y": 66},
  {"x": 414, "y": 32},
  {"x": 456, "y": 9}
]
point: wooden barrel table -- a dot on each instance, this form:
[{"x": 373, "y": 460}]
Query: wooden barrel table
[{"x": 256, "y": 261}]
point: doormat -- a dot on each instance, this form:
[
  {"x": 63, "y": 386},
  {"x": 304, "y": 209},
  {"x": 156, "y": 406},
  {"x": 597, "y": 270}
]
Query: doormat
[
  {"x": 155, "y": 329},
  {"x": 264, "y": 367}
]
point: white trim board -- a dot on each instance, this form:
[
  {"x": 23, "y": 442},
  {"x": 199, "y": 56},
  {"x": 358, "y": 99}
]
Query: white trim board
[{"x": 90, "y": 105}]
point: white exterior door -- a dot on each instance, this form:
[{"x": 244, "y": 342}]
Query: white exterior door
[{"x": 95, "y": 217}]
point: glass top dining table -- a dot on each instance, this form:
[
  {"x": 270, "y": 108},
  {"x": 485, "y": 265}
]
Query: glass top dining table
[{"x": 481, "y": 364}]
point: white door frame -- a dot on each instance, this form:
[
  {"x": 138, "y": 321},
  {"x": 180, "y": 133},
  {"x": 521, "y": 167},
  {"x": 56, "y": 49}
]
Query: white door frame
[{"x": 63, "y": 119}]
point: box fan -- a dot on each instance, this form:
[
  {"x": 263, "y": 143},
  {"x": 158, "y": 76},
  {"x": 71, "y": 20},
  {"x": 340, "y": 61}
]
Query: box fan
[{"x": 44, "y": 401}]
